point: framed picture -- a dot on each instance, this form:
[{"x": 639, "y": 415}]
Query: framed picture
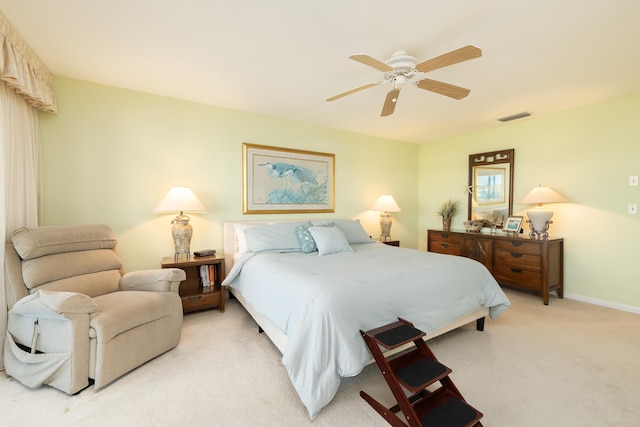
[
  {"x": 283, "y": 180},
  {"x": 513, "y": 224}
]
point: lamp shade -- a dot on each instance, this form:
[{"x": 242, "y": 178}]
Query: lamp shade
[
  {"x": 180, "y": 199},
  {"x": 385, "y": 203},
  {"x": 540, "y": 195}
]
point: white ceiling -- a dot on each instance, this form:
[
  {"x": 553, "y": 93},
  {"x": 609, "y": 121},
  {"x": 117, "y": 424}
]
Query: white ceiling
[{"x": 283, "y": 58}]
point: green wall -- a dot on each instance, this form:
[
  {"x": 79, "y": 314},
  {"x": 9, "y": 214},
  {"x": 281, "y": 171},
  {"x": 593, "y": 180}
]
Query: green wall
[
  {"x": 110, "y": 155},
  {"x": 585, "y": 154}
]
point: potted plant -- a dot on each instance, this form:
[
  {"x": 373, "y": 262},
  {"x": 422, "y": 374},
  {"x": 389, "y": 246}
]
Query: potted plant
[{"x": 447, "y": 211}]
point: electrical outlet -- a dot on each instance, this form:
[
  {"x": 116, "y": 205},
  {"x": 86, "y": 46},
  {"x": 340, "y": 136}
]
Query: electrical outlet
[
  {"x": 633, "y": 208},
  {"x": 633, "y": 181}
]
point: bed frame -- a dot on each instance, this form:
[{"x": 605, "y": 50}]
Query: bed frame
[{"x": 279, "y": 338}]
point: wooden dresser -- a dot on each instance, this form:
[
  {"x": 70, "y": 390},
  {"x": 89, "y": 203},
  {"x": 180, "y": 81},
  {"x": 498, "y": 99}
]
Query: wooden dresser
[{"x": 518, "y": 261}]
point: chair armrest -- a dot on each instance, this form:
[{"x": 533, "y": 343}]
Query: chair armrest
[
  {"x": 160, "y": 280},
  {"x": 52, "y": 304}
]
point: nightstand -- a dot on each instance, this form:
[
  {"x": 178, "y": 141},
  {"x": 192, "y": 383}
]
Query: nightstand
[
  {"x": 392, "y": 242},
  {"x": 202, "y": 288}
]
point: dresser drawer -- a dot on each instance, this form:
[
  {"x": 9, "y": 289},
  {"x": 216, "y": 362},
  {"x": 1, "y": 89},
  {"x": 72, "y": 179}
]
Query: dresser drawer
[
  {"x": 518, "y": 260},
  {"x": 517, "y": 276},
  {"x": 517, "y": 245},
  {"x": 443, "y": 243},
  {"x": 198, "y": 302}
]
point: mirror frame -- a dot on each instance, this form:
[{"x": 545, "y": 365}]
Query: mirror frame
[{"x": 490, "y": 158}]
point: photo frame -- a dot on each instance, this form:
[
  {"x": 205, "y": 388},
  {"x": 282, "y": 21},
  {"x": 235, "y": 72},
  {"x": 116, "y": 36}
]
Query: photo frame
[
  {"x": 282, "y": 180},
  {"x": 513, "y": 224}
]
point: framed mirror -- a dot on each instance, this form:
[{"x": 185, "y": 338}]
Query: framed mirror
[{"x": 491, "y": 187}]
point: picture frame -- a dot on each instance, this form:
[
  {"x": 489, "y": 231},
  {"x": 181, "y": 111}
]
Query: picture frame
[
  {"x": 513, "y": 224},
  {"x": 279, "y": 180}
]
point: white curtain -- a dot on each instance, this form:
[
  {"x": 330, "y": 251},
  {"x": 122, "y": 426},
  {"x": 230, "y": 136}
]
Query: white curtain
[{"x": 25, "y": 84}]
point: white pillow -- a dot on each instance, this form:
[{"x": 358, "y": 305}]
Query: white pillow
[
  {"x": 280, "y": 237},
  {"x": 330, "y": 240},
  {"x": 352, "y": 229},
  {"x": 241, "y": 238}
]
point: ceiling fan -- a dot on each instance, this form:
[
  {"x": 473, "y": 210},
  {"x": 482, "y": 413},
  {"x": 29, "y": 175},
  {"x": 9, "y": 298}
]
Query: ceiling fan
[{"x": 402, "y": 68}]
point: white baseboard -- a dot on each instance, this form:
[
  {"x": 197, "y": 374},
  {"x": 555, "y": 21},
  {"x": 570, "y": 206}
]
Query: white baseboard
[{"x": 603, "y": 303}]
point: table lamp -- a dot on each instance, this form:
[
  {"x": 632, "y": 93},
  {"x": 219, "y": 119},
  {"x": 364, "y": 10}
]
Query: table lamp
[
  {"x": 539, "y": 217},
  {"x": 181, "y": 199},
  {"x": 385, "y": 205}
]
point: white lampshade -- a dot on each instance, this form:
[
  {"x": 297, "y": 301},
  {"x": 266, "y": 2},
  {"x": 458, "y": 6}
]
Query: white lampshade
[
  {"x": 540, "y": 217},
  {"x": 541, "y": 195},
  {"x": 385, "y": 203},
  {"x": 180, "y": 199}
]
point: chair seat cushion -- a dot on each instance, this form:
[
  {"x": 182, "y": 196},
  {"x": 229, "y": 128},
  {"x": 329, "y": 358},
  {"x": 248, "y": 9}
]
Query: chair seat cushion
[{"x": 119, "y": 312}]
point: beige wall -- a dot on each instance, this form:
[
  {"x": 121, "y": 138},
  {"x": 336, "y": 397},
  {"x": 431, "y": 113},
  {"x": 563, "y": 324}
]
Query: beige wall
[
  {"x": 110, "y": 155},
  {"x": 587, "y": 155}
]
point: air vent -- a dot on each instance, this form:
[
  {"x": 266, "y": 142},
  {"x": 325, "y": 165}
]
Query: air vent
[{"x": 514, "y": 117}]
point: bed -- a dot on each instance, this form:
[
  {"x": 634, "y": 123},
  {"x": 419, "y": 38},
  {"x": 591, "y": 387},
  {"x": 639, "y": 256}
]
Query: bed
[{"x": 311, "y": 286}]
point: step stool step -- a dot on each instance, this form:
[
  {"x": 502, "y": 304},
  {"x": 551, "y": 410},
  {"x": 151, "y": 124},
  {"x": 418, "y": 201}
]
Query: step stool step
[
  {"x": 395, "y": 334},
  {"x": 452, "y": 413},
  {"x": 422, "y": 373}
]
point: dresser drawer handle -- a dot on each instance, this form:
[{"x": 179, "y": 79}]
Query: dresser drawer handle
[
  {"x": 517, "y": 244},
  {"x": 516, "y": 270},
  {"x": 516, "y": 254},
  {"x": 195, "y": 299},
  {"x": 445, "y": 245}
]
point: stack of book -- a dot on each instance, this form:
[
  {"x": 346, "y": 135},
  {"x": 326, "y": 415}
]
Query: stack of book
[{"x": 208, "y": 277}]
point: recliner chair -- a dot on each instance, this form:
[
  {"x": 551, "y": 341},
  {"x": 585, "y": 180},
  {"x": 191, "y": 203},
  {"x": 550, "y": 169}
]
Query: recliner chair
[{"x": 73, "y": 314}]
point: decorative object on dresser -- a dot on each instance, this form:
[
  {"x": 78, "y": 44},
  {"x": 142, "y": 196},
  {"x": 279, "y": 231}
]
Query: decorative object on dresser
[
  {"x": 513, "y": 224},
  {"x": 491, "y": 187},
  {"x": 519, "y": 261},
  {"x": 539, "y": 216},
  {"x": 447, "y": 211},
  {"x": 473, "y": 226},
  {"x": 181, "y": 199},
  {"x": 385, "y": 205},
  {"x": 202, "y": 287}
]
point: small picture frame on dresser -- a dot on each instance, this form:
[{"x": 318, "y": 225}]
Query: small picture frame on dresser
[{"x": 513, "y": 224}]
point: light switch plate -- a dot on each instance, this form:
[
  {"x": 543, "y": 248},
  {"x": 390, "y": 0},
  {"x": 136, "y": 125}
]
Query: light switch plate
[
  {"x": 633, "y": 181},
  {"x": 633, "y": 208}
]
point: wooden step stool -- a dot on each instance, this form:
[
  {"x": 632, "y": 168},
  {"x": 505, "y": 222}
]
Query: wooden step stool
[{"x": 414, "y": 371}]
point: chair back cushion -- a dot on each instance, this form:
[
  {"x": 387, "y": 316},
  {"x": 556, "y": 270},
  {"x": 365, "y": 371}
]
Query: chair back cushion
[{"x": 69, "y": 258}]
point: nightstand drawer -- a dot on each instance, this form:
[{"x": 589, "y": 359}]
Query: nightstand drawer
[
  {"x": 199, "y": 301},
  {"x": 517, "y": 277}
]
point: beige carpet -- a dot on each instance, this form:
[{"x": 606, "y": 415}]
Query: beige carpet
[{"x": 566, "y": 364}]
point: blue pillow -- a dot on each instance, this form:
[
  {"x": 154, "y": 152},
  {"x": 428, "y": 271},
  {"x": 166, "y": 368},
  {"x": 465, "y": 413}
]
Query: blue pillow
[
  {"x": 330, "y": 240},
  {"x": 307, "y": 243}
]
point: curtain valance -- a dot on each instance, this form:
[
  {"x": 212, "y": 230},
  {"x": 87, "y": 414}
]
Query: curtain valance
[{"x": 22, "y": 70}]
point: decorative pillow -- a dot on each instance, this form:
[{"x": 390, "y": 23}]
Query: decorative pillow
[
  {"x": 352, "y": 229},
  {"x": 279, "y": 237},
  {"x": 307, "y": 244},
  {"x": 330, "y": 240}
]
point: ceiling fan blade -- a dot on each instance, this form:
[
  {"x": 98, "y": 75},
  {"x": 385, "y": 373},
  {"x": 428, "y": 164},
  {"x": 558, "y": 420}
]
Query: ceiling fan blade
[
  {"x": 371, "y": 62},
  {"x": 390, "y": 102},
  {"x": 455, "y": 56},
  {"x": 442, "y": 88},
  {"x": 349, "y": 92}
]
